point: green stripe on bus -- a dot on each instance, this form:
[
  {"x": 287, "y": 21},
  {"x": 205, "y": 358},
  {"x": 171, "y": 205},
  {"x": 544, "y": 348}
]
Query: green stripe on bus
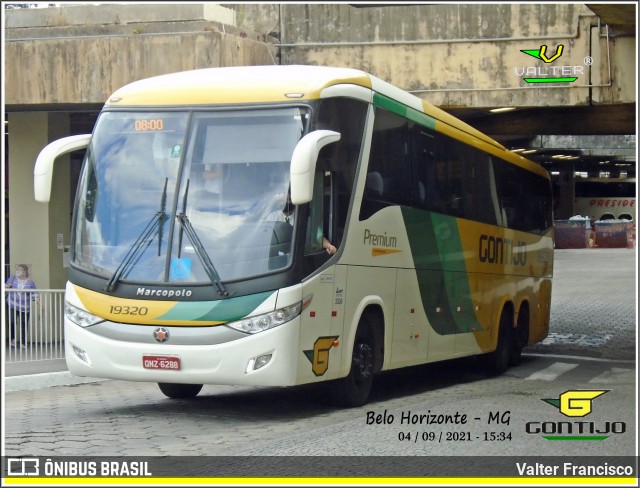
[
  {"x": 575, "y": 437},
  {"x": 401, "y": 109},
  {"x": 226, "y": 310},
  {"x": 456, "y": 276},
  {"x": 441, "y": 271}
]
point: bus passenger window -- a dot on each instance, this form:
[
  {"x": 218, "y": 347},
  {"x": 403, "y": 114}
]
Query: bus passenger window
[
  {"x": 374, "y": 184},
  {"x": 389, "y": 165}
]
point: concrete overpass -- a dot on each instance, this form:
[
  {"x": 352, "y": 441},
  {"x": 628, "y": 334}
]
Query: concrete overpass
[{"x": 62, "y": 63}]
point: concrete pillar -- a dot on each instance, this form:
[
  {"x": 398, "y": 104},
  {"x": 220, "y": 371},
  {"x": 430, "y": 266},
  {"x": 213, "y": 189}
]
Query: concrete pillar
[
  {"x": 566, "y": 195},
  {"x": 34, "y": 226}
]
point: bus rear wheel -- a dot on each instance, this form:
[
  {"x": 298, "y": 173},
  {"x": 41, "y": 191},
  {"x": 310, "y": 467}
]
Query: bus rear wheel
[
  {"x": 354, "y": 389},
  {"x": 179, "y": 390},
  {"x": 497, "y": 362},
  {"x": 520, "y": 336}
]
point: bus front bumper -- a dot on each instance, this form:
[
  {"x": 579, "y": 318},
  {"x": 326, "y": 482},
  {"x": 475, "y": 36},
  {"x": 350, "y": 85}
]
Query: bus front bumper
[{"x": 267, "y": 358}]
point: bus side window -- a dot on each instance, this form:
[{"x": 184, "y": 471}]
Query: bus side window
[
  {"x": 423, "y": 161},
  {"x": 375, "y": 184},
  {"x": 524, "y": 206},
  {"x": 372, "y": 197},
  {"x": 338, "y": 161},
  {"x": 315, "y": 222},
  {"x": 389, "y": 180},
  {"x": 449, "y": 174}
]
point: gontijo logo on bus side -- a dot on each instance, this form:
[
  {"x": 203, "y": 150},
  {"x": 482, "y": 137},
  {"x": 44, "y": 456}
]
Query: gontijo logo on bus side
[
  {"x": 319, "y": 355},
  {"x": 547, "y": 73}
]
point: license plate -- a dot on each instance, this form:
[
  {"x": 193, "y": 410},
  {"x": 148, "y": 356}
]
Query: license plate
[{"x": 161, "y": 362}]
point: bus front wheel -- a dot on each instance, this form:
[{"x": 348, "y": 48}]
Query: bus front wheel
[
  {"x": 354, "y": 389},
  {"x": 179, "y": 390}
]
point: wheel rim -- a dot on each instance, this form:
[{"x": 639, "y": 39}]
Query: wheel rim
[{"x": 363, "y": 361}]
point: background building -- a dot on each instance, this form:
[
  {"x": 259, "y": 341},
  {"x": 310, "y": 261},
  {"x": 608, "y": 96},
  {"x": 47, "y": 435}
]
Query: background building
[{"x": 557, "y": 80}]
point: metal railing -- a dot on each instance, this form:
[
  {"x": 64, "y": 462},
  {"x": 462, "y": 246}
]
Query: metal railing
[{"x": 34, "y": 324}]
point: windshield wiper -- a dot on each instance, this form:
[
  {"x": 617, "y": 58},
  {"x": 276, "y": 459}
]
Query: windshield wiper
[
  {"x": 187, "y": 228},
  {"x": 156, "y": 224}
]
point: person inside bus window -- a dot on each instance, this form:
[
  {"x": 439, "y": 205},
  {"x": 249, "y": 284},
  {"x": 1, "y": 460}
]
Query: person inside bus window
[
  {"x": 282, "y": 209},
  {"x": 284, "y": 212},
  {"x": 328, "y": 247},
  {"x": 206, "y": 186},
  {"x": 212, "y": 177}
]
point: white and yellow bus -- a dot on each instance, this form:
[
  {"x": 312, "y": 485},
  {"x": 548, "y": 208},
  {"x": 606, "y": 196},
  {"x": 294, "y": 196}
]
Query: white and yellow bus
[
  {"x": 207, "y": 199},
  {"x": 605, "y": 198}
]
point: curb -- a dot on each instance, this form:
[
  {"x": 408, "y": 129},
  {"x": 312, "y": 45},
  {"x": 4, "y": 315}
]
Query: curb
[{"x": 45, "y": 380}]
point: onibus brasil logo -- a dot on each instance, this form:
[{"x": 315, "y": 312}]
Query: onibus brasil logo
[
  {"x": 547, "y": 73},
  {"x": 576, "y": 404}
]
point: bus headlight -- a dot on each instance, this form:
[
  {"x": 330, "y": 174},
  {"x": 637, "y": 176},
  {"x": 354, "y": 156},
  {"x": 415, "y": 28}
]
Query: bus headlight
[
  {"x": 259, "y": 323},
  {"x": 79, "y": 316}
]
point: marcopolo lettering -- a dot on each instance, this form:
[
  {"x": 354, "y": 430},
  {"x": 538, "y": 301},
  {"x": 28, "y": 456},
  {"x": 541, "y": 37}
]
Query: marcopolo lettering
[
  {"x": 497, "y": 250},
  {"x": 164, "y": 292}
]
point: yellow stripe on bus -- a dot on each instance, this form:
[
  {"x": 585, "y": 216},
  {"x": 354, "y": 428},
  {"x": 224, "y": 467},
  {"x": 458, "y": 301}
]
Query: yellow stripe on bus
[
  {"x": 383, "y": 251},
  {"x": 132, "y": 311}
]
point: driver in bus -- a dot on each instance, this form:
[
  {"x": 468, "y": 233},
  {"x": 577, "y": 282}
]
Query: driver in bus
[
  {"x": 212, "y": 176},
  {"x": 285, "y": 213},
  {"x": 207, "y": 190}
]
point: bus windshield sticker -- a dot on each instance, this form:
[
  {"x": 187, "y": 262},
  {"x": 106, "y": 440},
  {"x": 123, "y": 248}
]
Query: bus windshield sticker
[{"x": 180, "y": 268}]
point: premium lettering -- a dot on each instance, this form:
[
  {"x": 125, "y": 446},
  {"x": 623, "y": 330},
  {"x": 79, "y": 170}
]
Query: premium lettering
[{"x": 379, "y": 239}]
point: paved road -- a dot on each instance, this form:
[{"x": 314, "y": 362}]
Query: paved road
[
  {"x": 593, "y": 304},
  {"x": 591, "y": 346},
  {"x": 119, "y": 418}
]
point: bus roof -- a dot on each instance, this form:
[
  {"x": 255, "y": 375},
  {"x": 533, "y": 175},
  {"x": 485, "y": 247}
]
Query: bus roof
[
  {"x": 255, "y": 84},
  {"x": 277, "y": 83},
  {"x": 241, "y": 84}
]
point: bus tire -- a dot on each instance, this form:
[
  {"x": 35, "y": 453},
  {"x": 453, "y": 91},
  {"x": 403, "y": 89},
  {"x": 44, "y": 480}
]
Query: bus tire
[
  {"x": 353, "y": 390},
  {"x": 497, "y": 362},
  {"x": 520, "y": 335},
  {"x": 179, "y": 390}
]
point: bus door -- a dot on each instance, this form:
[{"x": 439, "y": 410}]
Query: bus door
[{"x": 322, "y": 322}]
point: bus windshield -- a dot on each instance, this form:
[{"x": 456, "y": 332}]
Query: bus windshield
[{"x": 179, "y": 197}]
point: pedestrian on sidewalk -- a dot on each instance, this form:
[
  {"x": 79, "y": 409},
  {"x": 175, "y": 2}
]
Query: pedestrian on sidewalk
[{"x": 19, "y": 304}]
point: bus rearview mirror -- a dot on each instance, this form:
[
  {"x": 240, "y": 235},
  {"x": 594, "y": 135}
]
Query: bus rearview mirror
[
  {"x": 303, "y": 163},
  {"x": 43, "y": 171}
]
